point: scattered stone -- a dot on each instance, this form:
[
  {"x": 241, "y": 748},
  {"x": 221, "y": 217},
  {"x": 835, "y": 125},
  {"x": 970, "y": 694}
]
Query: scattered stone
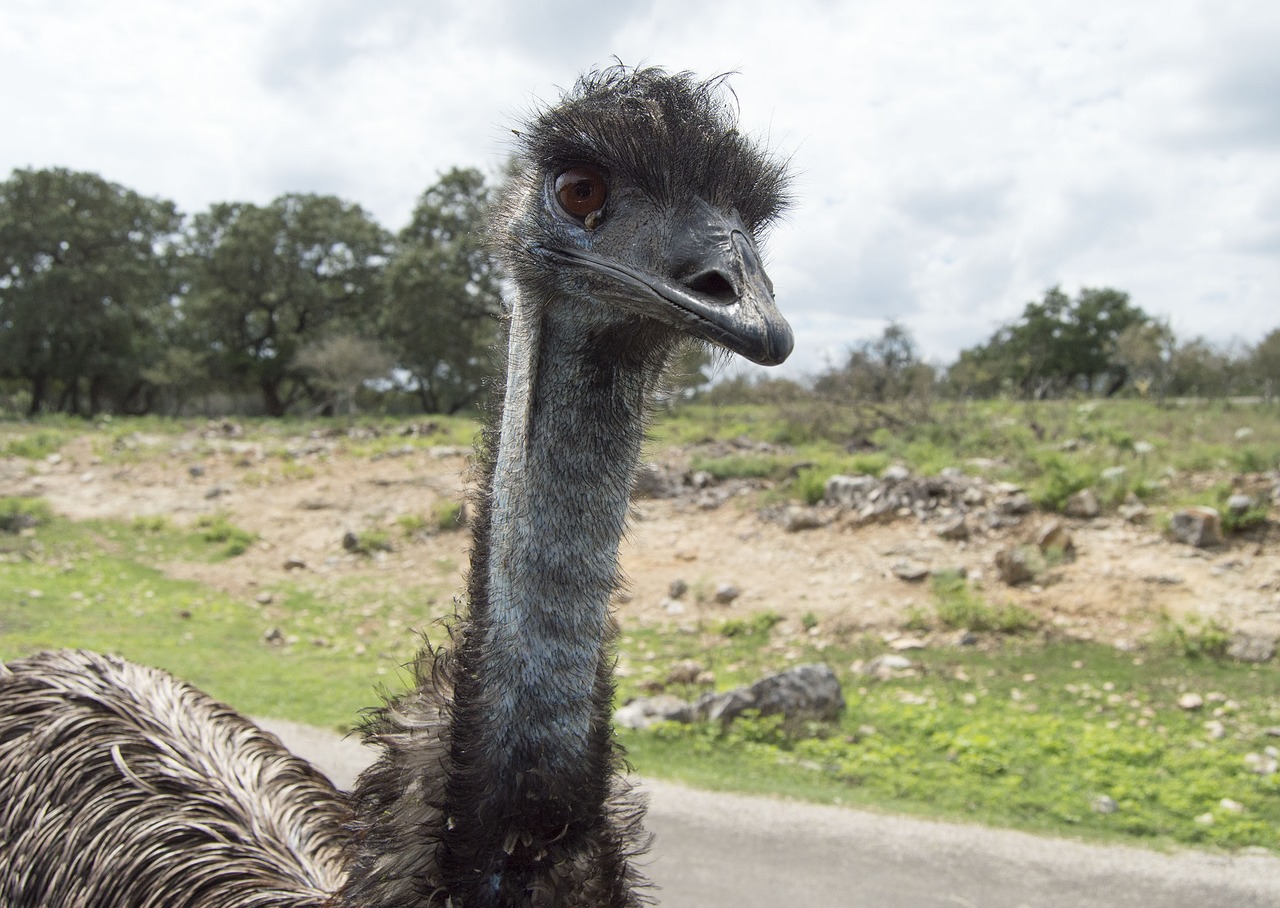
[
  {"x": 1231, "y": 806},
  {"x": 1018, "y": 564},
  {"x": 1264, "y": 764},
  {"x": 673, "y": 606},
  {"x": 677, "y": 589},
  {"x": 1190, "y": 701},
  {"x": 847, "y": 491},
  {"x": 1239, "y": 504},
  {"x": 1114, "y": 474},
  {"x": 1016, "y": 505},
  {"x": 1104, "y": 804},
  {"x": 726, "y": 593},
  {"x": 214, "y": 492},
  {"x": 797, "y": 518},
  {"x": 350, "y": 541},
  {"x": 805, "y": 693},
  {"x": 273, "y": 637},
  {"x": 1083, "y": 504},
  {"x": 1055, "y": 537},
  {"x": 1215, "y": 730},
  {"x": 263, "y": 598},
  {"x": 195, "y": 471},
  {"x": 954, "y": 528},
  {"x": 1197, "y": 526},
  {"x": 1205, "y": 819},
  {"x": 644, "y": 712},
  {"x": 294, "y": 563},
  {"x": 1252, "y": 648},
  {"x": 910, "y": 571},
  {"x": 895, "y": 473},
  {"x": 1133, "y": 512},
  {"x": 885, "y": 667},
  {"x": 906, "y": 644},
  {"x": 685, "y": 671},
  {"x": 966, "y": 638}
]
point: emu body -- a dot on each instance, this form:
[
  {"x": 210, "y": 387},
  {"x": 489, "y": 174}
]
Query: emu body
[{"x": 630, "y": 228}]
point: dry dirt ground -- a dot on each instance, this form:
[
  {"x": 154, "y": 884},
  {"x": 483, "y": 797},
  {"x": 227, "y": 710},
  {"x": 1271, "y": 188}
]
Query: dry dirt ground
[{"x": 302, "y": 504}]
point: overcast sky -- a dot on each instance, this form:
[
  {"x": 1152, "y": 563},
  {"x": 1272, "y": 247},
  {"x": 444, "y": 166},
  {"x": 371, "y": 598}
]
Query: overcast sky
[{"x": 953, "y": 159}]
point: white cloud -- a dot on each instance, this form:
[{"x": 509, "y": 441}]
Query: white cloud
[{"x": 953, "y": 160}]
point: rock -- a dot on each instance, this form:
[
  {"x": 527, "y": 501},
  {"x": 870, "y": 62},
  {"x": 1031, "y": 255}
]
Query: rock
[
  {"x": 273, "y": 637},
  {"x": 1015, "y": 505},
  {"x": 350, "y": 541},
  {"x": 910, "y": 571},
  {"x": 1018, "y": 564},
  {"x": 802, "y": 694},
  {"x": 195, "y": 471},
  {"x": 701, "y": 479},
  {"x": 1133, "y": 512},
  {"x": 652, "y": 481},
  {"x": 264, "y": 598},
  {"x": 1264, "y": 764},
  {"x": 1054, "y": 536},
  {"x": 677, "y": 589},
  {"x": 1104, "y": 804},
  {"x": 797, "y": 518},
  {"x": 1190, "y": 701},
  {"x": 646, "y": 711},
  {"x": 1231, "y": 806},
  {"x": 1252, "y": 648},
  {"x": 294, "y": 563},
  {"x": 1083, "y": 504},
  {"x": 954, "y": 528},
  {"x": 685, "y": 671},
  {"x": 1114, "y": 474},
  {"x": 886, "y": 667},
  {"x": 895, "y": 473},
  {"x": 847, "y": 491},
  {"x": 1197, "y": 526},
  {"x": 1215, "y": 730},
  {"x": 726, "y": 593},
  {"x": 1240, "y": 504},
  {"x": 906, "y": 644}
]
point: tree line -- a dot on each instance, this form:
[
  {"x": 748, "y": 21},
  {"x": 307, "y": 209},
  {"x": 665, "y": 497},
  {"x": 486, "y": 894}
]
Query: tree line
[
  {"x": 114, "y": 302},
  {"x": 111, "y": 301}
]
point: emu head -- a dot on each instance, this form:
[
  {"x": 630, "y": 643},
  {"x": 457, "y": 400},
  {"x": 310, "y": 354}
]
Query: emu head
[{"x": 638, "y": 206}]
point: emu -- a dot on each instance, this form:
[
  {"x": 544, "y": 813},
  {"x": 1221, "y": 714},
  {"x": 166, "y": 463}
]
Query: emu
[{"x": 630, "y": 227}]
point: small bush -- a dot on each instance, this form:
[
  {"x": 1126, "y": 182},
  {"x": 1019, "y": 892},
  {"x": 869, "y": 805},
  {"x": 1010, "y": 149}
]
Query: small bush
[
  {"x": 757, "y": 625},
  {"x": 960, "y": 608},
  {"x": 18, "y": 514},
  {"x": 215, "y": 528},
  {"x": 1196, "y": 637}
]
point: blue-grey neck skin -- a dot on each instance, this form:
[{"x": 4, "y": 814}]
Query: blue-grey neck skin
[{"x": 560, "y": 490}]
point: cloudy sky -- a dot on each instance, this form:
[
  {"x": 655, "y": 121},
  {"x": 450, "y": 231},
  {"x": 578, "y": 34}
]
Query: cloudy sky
[{"x": 953, "y": 159}]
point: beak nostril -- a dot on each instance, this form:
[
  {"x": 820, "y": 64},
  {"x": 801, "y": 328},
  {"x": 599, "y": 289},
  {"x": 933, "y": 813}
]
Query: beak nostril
[{"x": 713, "y": 284}]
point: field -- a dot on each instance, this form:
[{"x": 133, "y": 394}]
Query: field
[{"x": 287, "y": 568}]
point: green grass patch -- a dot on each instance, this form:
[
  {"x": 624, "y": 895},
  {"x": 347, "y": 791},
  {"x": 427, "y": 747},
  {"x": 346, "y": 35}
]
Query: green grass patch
[
  {"x": 1021, "y": 736},
  {"x": 217, "y": 529}
]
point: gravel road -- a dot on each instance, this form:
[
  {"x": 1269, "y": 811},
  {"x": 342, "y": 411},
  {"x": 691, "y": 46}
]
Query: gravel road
[{"x": 714, "y": 850}]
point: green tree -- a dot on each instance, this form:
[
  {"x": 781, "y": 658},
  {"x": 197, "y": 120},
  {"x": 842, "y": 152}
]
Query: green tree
[
  {"x": 1264, "y": 363},
  {"x": 267, "y": 281},
  {"x": 85, "y": 288},
  {"x": 1058, "y": 345},
  {"x": 444, "y": 294}
]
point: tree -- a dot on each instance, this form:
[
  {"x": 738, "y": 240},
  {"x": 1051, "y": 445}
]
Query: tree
[
  {"x": 340, "y": 364},
  {"x": 1057, "y": 345},
  {"x": 267, "y": 281},
  {"x": 85, "y": 287},
  {"x": 1264, "y": 363},
  {"x": 444, "y": 294},
  {"x": 1145, "y": 350},
  {"x": 883, "y": 379}
]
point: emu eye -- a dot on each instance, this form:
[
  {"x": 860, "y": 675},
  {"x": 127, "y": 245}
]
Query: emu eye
[{"x": 581, "y": 192}]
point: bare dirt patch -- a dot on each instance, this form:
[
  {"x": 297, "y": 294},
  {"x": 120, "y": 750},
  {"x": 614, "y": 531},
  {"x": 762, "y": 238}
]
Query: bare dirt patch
[{"x": 837, "y": 578}]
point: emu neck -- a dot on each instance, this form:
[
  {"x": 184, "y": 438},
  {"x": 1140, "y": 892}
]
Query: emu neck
[{"x": 569, "y": 438}]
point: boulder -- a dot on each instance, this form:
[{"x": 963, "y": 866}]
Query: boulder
[
  {"x": 1055, "y": 537},
  {"x": 1252, "y": 648},
  {"x": 804, "y": 693},
  {"x": 1197, "y": 526},
  {"x": 954, "y": 528}
]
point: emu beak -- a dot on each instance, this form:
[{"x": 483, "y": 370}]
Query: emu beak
[
  {"x": 721, "y": 292},
  {"x": 715, "y": 287}
]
